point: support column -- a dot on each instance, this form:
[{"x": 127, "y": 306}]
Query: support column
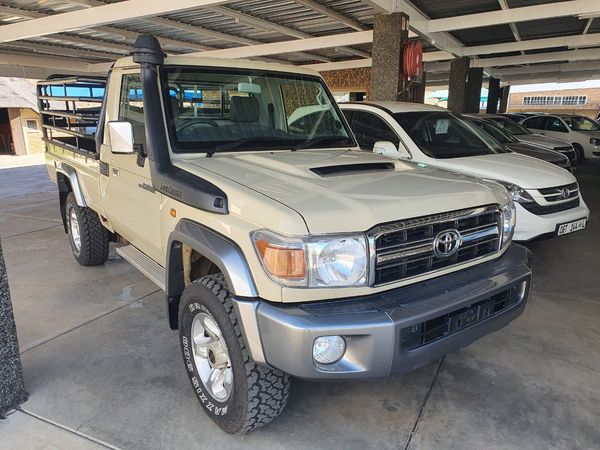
[
  {"x": 12, "y": 387},
  {"x": 493, "y": 95},
  {"x": 16, "y": 129},
  {"x": 457, "y": 84},
  {"x": 504, "y": 95},
  {"x": 390, "y": 33},
  {"x": 473, "y": 90}
]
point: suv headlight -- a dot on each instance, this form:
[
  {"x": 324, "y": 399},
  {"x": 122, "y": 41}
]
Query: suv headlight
[
  {"x": 313, "y": 261},
  {"x": 595, "y": 141},
  {"x": 517, "y": 193},
  {"x": 509, "y": 218}
]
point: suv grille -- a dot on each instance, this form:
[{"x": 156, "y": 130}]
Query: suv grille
[
  {"x": 418, "y": 246},
  {"x": 559, "y": 198}
]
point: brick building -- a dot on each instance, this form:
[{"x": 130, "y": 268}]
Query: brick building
[
  {"x": 584, "y": 101},
  {"x": 20, "y": 125}
]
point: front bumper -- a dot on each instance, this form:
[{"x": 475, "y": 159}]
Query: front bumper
[
  {"x": 391, "y": 332},
  {"x": 530, "y": 226}
]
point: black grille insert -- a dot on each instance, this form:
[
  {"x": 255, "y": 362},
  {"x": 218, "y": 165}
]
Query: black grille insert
[
  {"x": 406, "y": 249},
  {"x": 437, "y": 328}
]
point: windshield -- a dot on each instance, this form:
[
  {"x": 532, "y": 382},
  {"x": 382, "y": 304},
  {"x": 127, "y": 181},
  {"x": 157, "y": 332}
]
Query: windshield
[
  {"x": 578, "y": 123},
  {"x": 225, "y": 109},
  {"x": 441, "y": 134},
  {"x": 504, "y": 137},
  {"x": 511, "y": 126}
]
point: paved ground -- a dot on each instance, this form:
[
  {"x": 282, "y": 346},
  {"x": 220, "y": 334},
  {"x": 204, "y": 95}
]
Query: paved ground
[{"x": 103, "y": 368}]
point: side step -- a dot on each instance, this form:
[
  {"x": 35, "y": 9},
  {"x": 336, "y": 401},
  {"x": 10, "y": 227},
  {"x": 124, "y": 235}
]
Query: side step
[{"x": 144, "y": 264}]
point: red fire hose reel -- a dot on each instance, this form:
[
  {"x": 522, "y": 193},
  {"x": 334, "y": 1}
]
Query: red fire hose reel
[{"x": 412, "y": 59}]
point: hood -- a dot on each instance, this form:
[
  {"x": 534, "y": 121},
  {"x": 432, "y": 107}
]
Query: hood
[
  {"x": 524, "y": 171},
  {"x": 543, "y": 141},
  {"x": 344, "y": 191},
  {"x": 537, "y": 152},
  {"x": 590, "y": 133}
]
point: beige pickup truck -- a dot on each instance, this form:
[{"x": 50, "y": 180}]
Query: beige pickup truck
[{"x": 283, "y": 249}]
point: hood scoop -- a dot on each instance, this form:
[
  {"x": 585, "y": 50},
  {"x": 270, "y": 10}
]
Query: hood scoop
[{"x": 348, "y": 169}]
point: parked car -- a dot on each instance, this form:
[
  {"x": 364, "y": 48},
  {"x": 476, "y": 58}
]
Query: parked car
[
  {"x": 515, "y": 117},
  {"x": 282, "y": 247},
  {"x": 525, "y": 135},
  {"x": 512, "y": 143},
  {"x": 548, "y": 199},
  {"x": 581, "y": 131}
]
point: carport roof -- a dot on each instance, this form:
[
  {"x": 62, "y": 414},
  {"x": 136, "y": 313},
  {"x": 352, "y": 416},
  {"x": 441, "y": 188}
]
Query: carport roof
[{"x": 37, "y": 38}]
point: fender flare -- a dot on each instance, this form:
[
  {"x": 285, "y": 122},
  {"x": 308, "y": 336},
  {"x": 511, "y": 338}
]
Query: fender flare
[
  {"x": 71, "y": 174},
  {"x": 220, "y": 250}
]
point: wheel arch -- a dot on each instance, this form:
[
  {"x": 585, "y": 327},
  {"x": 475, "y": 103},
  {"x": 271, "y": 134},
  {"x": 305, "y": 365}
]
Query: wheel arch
[
  {"x": 217, "y": 249},
  {"x": 67, "y": 181}
]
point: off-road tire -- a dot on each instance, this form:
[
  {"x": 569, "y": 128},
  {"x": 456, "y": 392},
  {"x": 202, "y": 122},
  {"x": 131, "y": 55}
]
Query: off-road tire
[
  {"x": 259, "y": 394},
  {"x": 94, "y": 237}
]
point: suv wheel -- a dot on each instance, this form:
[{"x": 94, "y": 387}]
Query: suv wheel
[
  {"x": 89, "y": 239},
  {"x": 579, "y": 152},
  {"x": 237, "y": 395}
]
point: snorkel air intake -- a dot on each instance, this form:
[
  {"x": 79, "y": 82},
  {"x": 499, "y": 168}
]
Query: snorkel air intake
[{"x": 166, "y": 178}]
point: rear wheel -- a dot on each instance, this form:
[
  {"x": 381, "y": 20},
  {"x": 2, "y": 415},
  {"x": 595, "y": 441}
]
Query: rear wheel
[
  {"x": 236, "y": 394},
  {"x": 89, "y": 239}
]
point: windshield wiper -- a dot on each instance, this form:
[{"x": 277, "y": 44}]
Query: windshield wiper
[
  {"x": 337, "y": 140},
  {"x": 231, "y": 145}
]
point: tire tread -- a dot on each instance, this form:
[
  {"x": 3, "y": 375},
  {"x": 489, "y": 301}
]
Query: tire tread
[{"x": 268, "y": 389}]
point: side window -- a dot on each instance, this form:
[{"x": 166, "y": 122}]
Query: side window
[
  {"x": 131, "y": 106},
  {"x": 368, "y": 129},
  {"x": 537, "y": 123},
  {"x": 555, "y": 124}
]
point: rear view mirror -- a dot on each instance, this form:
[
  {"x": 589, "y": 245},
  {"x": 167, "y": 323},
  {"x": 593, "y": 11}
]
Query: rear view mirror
[
  {"x": 121, "y": 137},
  {"x": 249, "y": 88},
  {"x": 389, "y": 149}
]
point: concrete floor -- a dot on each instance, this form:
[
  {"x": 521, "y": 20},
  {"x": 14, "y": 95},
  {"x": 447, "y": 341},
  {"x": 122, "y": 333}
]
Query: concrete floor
[{"x": 103, "y": 368}]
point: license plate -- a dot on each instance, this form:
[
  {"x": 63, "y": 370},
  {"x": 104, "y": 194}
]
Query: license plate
[{"x": 571, "y": 227}]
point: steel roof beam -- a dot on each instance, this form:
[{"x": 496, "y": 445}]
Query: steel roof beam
[
  {"x": 297, "y": 45},
  {"x": 514, "y": 15},
  {"x": 582, "y": 40},
  {"x": 99, "y": 15}
]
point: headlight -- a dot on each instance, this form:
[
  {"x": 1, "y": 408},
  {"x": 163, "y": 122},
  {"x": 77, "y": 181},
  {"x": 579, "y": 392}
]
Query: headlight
[
  {"x": 517, "y": 193},
  {"x": 313, "y": 261},
  {"x": 595, "y": 141},
  {"x": 509, "y": 216}
]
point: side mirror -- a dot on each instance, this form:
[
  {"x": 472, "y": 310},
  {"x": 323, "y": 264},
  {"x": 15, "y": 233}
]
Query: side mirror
[
  {"x": 121, "y": 137},
  {"x": 389, "y": 149}
]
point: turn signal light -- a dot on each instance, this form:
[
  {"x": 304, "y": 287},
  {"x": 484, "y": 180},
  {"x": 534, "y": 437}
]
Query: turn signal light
[{"x": 282, "y": 262}]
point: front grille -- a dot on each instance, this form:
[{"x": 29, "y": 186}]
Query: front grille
[
  {"x": 557, "y": 199},
  {"x": 414, "y": 247},
  {"x": 553, "y": 194},
  {"x": 440, "y": 327},
  {"x": 540, "y": 210}
]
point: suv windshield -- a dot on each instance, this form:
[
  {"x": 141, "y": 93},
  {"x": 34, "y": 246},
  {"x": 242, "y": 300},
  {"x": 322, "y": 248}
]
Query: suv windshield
[
  {"x": 226, "y": 109},
  {"x": 441, "y": 134},
  {"x": 578, "y": 123},
  {"x": 498, "y": 133},
  {"x": 511, "y": 126}
]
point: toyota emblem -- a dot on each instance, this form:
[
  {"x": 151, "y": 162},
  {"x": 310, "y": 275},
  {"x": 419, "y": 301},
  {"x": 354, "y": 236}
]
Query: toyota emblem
[{"x": 447, "y": 243}]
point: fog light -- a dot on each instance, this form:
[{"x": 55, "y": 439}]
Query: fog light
[{"x": 328, "y": 349}]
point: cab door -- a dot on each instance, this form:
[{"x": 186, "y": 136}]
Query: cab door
[{"x": 133, "y": 206}]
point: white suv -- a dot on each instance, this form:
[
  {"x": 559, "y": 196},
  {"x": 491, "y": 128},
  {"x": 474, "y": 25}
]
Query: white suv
[
  {"x": 581, "y": 131},
  {"x": 547, "y": 197}
]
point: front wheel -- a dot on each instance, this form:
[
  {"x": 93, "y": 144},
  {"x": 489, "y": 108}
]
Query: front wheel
[{"x": 237, "y": 395}]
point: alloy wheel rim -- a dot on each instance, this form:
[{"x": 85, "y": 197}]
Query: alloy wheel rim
[
  {"x": 74, "y": 227},
  {"x": 211, "y": 357}
]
